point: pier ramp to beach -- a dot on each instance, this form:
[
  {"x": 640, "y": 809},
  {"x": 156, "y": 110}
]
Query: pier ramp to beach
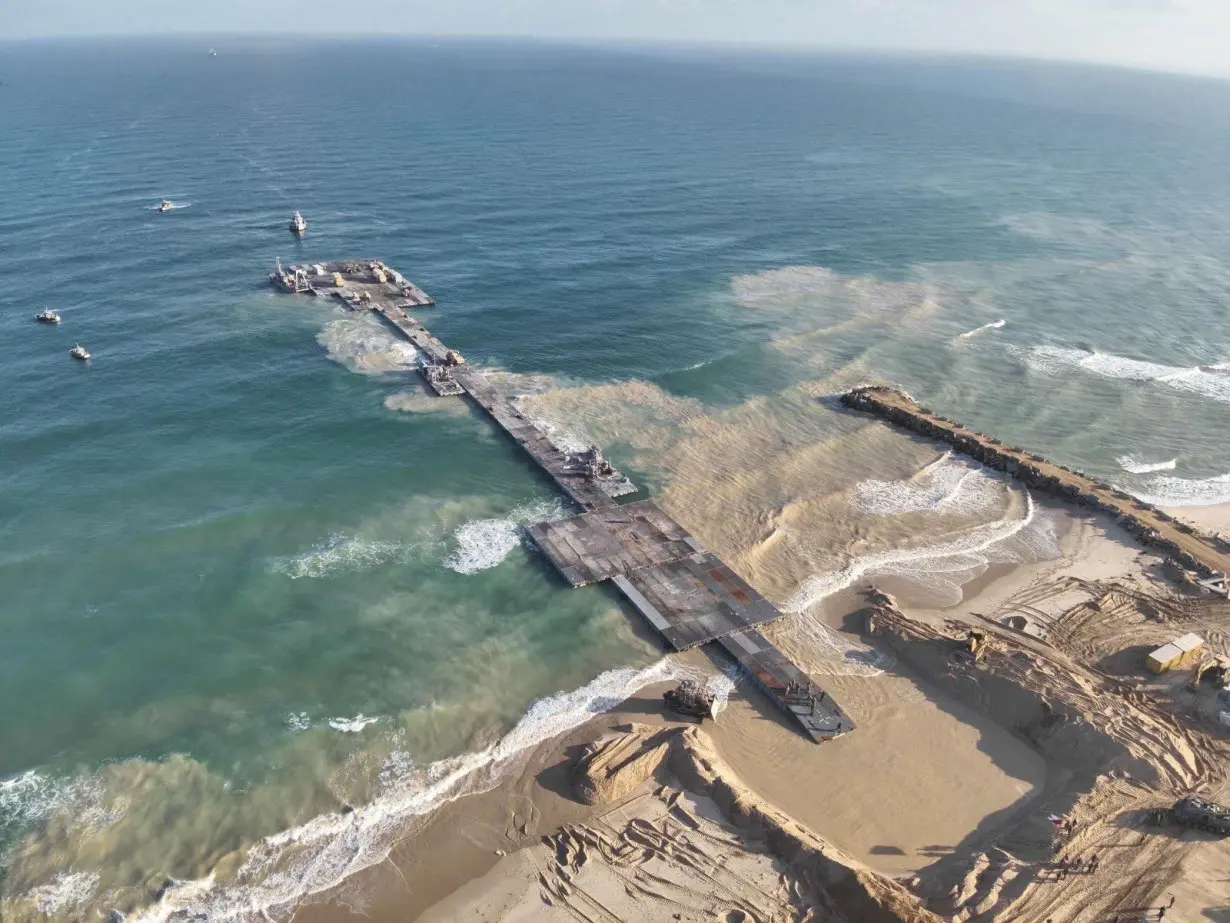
[{"x": 677, "y": 585}]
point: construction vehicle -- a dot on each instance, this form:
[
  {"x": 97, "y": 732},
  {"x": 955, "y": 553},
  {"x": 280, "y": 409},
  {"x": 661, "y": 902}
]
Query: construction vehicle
[
  {"x": 974, "y": 646},
  {"x": 690, "y": 698},
  {"x": 1202, "y": 814}
]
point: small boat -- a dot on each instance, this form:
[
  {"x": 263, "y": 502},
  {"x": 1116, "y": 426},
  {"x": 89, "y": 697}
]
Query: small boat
[
  {"x": 165, "y": 205},
  {"x": 79, "y": 352},
  {"x": 212, "y": 53},
  {"x": 298, "y": 224},
  {"x": 47, "y": 317}
]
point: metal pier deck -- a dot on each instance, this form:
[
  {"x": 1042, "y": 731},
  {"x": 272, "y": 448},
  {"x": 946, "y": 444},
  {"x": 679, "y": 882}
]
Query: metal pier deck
[{"x": 680, "y": 588}]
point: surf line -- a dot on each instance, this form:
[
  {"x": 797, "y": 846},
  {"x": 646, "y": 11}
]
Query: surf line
[
  {"x": 1207, "y": 555},
  {"x": 722, "y": 608}
]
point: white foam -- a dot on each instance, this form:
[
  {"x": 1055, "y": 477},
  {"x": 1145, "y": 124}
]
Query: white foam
[
  {"x": 1058, "y": 360},
  {"x": 564, "y": 439},
  {"x": 339, "y": 554},
  {"x": 723, "y": 684},
  {"x": 941, "y": 568},
  {"x": 353, "y": 725},
  {"x": 994, "y": 325},
  {"x": 297, "y": 721},
  {"x": 839, "y": 656},
  {"x": 30, "y": 798},
  {"x": 484, "y": 543},
  {"x": 363, "y": 344},
  {"x": 397, "y": 766},
  {"x": 949, "y": 485},
  {"x": 1134, "y": 464},
  {"x": 66, "y": 891},
  {"x": 319, "y": 855},
  {"x": 1166, "y": 490}
]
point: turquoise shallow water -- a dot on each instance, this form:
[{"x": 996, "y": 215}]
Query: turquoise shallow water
[{"x": 214, "y": 541}]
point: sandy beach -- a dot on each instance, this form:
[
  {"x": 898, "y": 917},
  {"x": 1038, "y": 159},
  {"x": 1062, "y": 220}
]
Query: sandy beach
[{"x": 931, "y": 780}]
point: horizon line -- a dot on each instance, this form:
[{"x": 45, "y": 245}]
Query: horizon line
[{"x": 624, "y": 42}]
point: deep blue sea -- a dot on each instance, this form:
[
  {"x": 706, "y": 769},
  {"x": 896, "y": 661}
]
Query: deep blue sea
[{"x": 250, "y": 572}]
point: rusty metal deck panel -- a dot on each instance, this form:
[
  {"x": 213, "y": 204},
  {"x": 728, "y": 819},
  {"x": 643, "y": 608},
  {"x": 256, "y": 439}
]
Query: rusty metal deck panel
[
  {"x": 702, "y": 599},
  {"x": 789, "y": 687},
  {"x": 599, "y": 545}
]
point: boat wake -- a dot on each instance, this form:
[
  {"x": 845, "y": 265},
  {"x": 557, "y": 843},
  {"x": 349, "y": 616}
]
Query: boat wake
[{"x": 994, "y": 325}]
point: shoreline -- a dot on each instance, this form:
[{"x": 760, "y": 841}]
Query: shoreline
[
  {"x": 468, "y": 846},
  {"x": 938, "y": 773}
]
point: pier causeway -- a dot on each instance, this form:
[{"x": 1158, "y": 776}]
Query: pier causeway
[{"x": 680, "y": 588}]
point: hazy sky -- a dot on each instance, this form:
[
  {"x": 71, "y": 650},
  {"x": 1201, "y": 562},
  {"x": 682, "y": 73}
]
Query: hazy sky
[{"x": 1189, "y": 35}]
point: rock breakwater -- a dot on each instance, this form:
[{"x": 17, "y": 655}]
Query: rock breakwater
[{"x": 1205, "y": 555}]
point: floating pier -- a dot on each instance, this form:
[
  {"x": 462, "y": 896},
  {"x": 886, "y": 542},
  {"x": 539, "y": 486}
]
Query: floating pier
[
  {"x": 1207, "y": 556},
  {"x": 677, "y": 585}
]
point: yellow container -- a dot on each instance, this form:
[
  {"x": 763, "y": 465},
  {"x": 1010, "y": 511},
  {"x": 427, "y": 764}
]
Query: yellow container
[{"x": 1164, "y": 658}]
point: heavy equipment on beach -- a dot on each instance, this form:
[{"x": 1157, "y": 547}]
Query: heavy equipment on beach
[{"x": 1203, "y": 814}]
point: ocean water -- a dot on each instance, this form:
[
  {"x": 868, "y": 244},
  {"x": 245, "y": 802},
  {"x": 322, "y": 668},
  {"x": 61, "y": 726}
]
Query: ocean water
[{"x": 250, "y": 573}]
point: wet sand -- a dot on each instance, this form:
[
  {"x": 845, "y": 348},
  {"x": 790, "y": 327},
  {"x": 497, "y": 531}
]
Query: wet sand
[{"x": 924, "y": 775}]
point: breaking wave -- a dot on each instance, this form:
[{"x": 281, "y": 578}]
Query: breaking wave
[
  {"x": 947, "y": 485},
  {"x": 65, "y": 892},
  {"x": 1136, "y": 465},
  {"x": 1167, "y": 490},
  {"x": 994, "y": 325},
  {"x": 1058, "y": 360},
  {"x": 484, "y": 543},
  {"x": 339, "y": 554},
  {"x": 282, "y": 869},
  {"x": 353, "y": 725},
  {"x": 30, "y": 798},
  {"x": 942, "y": 568}
]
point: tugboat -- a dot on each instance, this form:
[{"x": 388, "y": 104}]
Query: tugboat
[
  {"x": 79, "y": 352},
  {"x": 47, "y": 317},
  {"x": 165, "y": 205},
  {"x": 689, "y": 698},
  {"x": 298, "y": 224}
]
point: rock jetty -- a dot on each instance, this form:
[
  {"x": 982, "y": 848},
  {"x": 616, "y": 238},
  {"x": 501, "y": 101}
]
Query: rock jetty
[{"x": 1205, "y": 555}]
